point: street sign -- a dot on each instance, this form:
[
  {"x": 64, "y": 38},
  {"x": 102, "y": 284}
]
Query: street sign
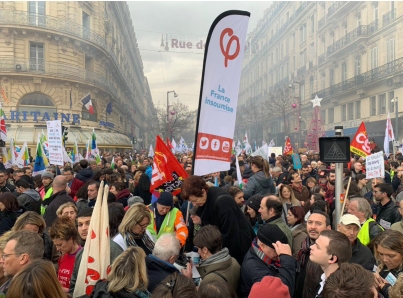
[{"x": 334, "y": 149}]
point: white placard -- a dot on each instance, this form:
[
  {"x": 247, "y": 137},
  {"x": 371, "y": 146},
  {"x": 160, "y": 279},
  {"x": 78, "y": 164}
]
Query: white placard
[
  {"x": 55, "y": 142},
  {"x": 277, "y": 150},
  {"x": 375, "y": 165}
]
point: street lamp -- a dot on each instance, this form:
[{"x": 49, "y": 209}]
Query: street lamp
[
  {"x": 396, "y": 102},
  {"x": 299, "y": 110},
  {"x": 169, "y": 122}
]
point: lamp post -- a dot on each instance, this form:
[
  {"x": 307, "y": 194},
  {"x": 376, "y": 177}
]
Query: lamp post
[
  {"x": 168, "y": 121},
  {"x": 299, "y": 110},
  {"x": 396, "y": 102}
]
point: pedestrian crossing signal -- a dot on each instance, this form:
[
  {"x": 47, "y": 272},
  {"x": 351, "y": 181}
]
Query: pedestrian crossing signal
[{"x": 334, "y": 149}]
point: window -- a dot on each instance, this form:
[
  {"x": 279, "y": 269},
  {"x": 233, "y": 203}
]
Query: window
[
  {"x": 286, "y": 45},
  {"x": 312, "y": 52},
  {"x": 312, "y": 24},
  {"x": 86, "y": 25},
  {"x": 330, "y": 115},
  {"x": 357, "y": 65},
  {"x": 324, "y": 45},
  {"x": 343, "y": 113},
  {"x": 344, "y": 71},
  {"x": 345, "y": 29},
  {"x": 372, "y": 103},
  {"x": 302, "y": 92},
  {"x": 302, "y": 33},
  {"x": 323, "y": 116},
  {"x": 391, "y": 95},
  {"x": 277, "y": 55},
  {"x": 286, "y": 68},
  {"x": 331, "y": 77},
  {"x": 374, "y": 57},
  {"x": 358, "y": 109},
  {"x": 390, "y": 50},
  {"x": 293, "y": 63},
  {"x": 382, "y": 104},
  {"x": 358, "y": 19},
  {"x": 375, "y": 10},
  {"x": 301, "y": 59},
  {"x": 36, "y": 62},
  {"x": 311, "y": 85},
  {"x": 350, "y": 111},
  {"x": 89, "y": 63},
  {"x": 323, "y": 81},
  {"x": 293, "y": 41},
  {"x": 36, "y": 10}
]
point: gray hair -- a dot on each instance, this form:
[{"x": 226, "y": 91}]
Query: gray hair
[
  {"x": 276, "y": 169},
  {"x": 134, "y": 199},
  {"x": 363, "y": 206},
  {"x": 166, "y": 246}
]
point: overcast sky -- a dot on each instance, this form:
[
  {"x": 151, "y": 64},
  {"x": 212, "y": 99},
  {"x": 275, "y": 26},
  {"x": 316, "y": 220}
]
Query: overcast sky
[{"x": 176, "y": 70}]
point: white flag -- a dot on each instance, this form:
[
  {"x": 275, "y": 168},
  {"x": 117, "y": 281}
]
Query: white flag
[
  {"x": 389, "y": 136},
  {"x": 151, "y": 151}
]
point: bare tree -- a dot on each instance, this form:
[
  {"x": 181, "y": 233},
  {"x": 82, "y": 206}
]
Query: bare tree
[
  {"x": 280, "y": 101},
  {"x": 252, "y": 117}
]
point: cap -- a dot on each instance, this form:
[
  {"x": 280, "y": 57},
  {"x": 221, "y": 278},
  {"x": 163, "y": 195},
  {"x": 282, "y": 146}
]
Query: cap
[
  {"x": 166, "y": 199},
  {"x": 272, "y": 285},
  {"x": 254, "y": 202},
  {"x": 270, "y": 233},
  {"x": 348, "y": 219},
  {"x": 47, "y": 175}
]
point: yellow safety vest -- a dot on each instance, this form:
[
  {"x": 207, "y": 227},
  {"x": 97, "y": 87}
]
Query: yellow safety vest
[
  {"x": 167, "y": 226},
  {"x": 363, "y": 235}
]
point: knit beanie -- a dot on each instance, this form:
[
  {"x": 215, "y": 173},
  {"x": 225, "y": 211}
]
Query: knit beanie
[
  {"x": 166, "y": 199},
  {"x": 270, "y": 233},
  {"x": 272, "y": 285},
  {"x": 254, "y": 202}
]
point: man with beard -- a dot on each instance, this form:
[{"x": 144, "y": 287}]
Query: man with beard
[
  {"x": 309, "y": 274},
  {"x": 388, "y": 212},
  {"x": 329, "y": 188},
  {"x": 357, "y": 169},
  {"x": 305, "y": 174},
  {"x": 300, "y": 191}
]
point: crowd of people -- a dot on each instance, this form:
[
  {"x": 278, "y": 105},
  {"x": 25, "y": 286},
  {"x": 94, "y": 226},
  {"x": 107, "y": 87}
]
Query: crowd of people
[{"x": 270, "y": 233}]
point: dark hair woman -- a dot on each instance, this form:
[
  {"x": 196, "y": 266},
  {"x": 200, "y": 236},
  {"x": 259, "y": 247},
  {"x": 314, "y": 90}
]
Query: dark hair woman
[
  {"x": 142, "y": 189},
  {"x": 295, "y": 218},
  {"x": 11, "y": 211},
  {"x": 260, "y": 182}
]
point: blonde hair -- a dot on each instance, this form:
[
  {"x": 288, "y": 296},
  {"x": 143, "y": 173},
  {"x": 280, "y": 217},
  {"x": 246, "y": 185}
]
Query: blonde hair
[
  {"x": 137, "y": 175},
  {"x": 59, "y": 210},
  {"x": 128, "y": 271},
  {"x": 133, "y": 216},
  {"x": 29, "y": 218},
  {"x": 38, "y": 279},
  {"x": 4, "y": 239},
  {"x": 397, "y": 290},
  {"x": 294, "y": 200}
]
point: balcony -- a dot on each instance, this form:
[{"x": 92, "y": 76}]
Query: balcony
[
  {"x": 389, "y": 17},
  {"x": 321, "y": 23},
  {"x": 301, "y": 71},
  {"x": 360, "y": 31},
  {"x": 322, "y": 58},
  {"x": 389, "y": 69},
  {"x": 336, "y": 6},
  {"x": 373, "y": 27}
]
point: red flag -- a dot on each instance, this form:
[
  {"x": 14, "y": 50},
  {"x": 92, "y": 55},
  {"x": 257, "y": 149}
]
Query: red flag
[
  {"x": 360, "y": 143},
  {"x": 169, "y": 144},
  {"x": 288, "y": 148},
  {"x": 168, "y": 174}
]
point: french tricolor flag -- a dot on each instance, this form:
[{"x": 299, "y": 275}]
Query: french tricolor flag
[{"x": 86, "y": 100}]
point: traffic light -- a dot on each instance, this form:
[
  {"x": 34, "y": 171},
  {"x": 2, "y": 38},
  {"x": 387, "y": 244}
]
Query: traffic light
[
  {"x": 65, "y": 132},
  {"x": 135, "y": 140}
]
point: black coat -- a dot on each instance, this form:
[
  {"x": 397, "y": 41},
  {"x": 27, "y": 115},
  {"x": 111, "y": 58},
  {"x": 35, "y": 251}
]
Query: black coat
[
  {"x": 222, "y": 211},
  {"x": 85, "y": 174},
  {"x": 388, "y": 214},
  {"x": 253, "y": 270},
  {"x": 101, "y": 291},
  {"x": 363, "y": 256},
  {"x": 9, "y": 219},
  {"x": 157, "y": 271},
  {"x": 54, "y": 202}
]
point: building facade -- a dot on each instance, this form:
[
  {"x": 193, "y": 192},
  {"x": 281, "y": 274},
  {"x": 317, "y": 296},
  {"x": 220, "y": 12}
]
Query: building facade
[
  {"x": 348, "y": 53},
  {"x": 52, "y": 54}
]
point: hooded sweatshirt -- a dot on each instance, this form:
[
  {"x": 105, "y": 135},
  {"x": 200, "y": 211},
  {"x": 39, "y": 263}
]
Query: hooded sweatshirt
[
  {"x": 259, "y": 184},
  {"x": 31, "y": 200}
]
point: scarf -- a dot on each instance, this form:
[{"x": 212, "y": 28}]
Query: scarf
[
  {"x": 258, "y": 251},
  {"x": 221, "y": 256},
  {"x": 142, "y": 294},
  {"x": 303, "y": 253},
  {"x": 131, "y": 240}
]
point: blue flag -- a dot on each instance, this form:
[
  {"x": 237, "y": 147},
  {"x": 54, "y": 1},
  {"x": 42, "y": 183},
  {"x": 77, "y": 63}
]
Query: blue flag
[
  {"x": 39, "y": 165},
  {"x": 109, "y": 108}
]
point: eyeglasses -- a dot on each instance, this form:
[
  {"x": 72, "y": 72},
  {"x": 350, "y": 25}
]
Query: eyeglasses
[
  {"x": 143, "y": 226},
  {"x": 4, "y": 256}
]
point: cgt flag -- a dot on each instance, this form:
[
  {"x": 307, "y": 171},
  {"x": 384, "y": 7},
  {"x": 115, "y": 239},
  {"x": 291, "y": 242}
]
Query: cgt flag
[
  {"x": 220, "y": 82},
  {"x": 288, "y": 147},
  {"x": 168, "y": 174},
  {"x": 360, "y": 143}
]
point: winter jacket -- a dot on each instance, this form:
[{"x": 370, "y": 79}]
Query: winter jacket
[
  {"x": 222, "y": 267},
  {"x": 384, "y": 273},
  {"x": 54, "y": 202},
  {"x": 362, "y": 255},
  {"x": 222, "y": 211},
  {"x": 75, "y": 186},
  {"x": 122, "y": 196},
  {"x": 157, "y": 271},
  {"x": 115, "y": 251},
  {"x": 149, "y": 171},
  {"x": 31, "y": 200},
  {"x": 85, "y": 174},
  {"x": 8, "y": 219},
  {"x": 81, "y": 204},
  {"x": 8, "y": 188},
  {"x": 259, "y": 184},
  {"x": 398, "y": 226},
  {"x": 101, "y": 291},
  {"x": 388, "y": 214},
  {"x": 278, "y": 221},
  {"x": 299, "y": 235},
  {"x": 253, "y": 270},
  {"x": 50, "y": 253}
]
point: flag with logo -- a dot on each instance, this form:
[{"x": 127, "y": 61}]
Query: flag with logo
[
  {"x": 262, "y": 151},
  {"x": 3, "y": 129},
  {"x": 173, "y": 144},
  {"x": 238, "y": 173},
  {"x": 3, "y": 93},
  {"x": 167, "y": 174},
  {"x": 389, "y": 135},
  {"x": 23, "y": 157},
  {"x": 39, "y": 165},
  {"x": 45, "y": 144},
  {"x": 95, "y": 261},
  {"x": 360, "y": 142},
  {"x": 288, "y": 147},
  {"x": 151, "y": 151},
  {"x": 10, "y": 159},
  {"x": 94, "y": 148},
  {"x": 238, "y": 148},
  {"x": 218, "y": 100},
  {"x": 271, "y": 144},
  {"x": 182, "y": 146},
  {"x": 113, "y": 163},
  {"x": 75, "y": 155}
]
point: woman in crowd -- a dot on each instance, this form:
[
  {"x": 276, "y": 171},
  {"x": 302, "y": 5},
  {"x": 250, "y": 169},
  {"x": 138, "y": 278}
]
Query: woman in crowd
[
  {"x": 133, "y": 169},
  {"x": 311, "y": 183},
  {"x": 133, "y": 229},
  {"x": 388, "y": 248},
  {"x": 121, "y": 192},
  {"x": 11, "y": 211},
  {"x": 176, "y": 285},
  {"x": 216, "y": 288},
  {"x": 295, "y": 219},
  {"x": 288, "y": 199},
  {"x": 143, "y": 189},
  {"x": 216, "y": 262},
  {"x": 34, "y": 222},
  {"x": 127, "y": 279},
  {"x": 319, "y": 189},
  {"x": 260, "y": 182},
  {"x": 38, "y": 280},
  {"x": 361, "y": 180},
  {"x": 68, "y": 210},
  {"x": 65, "y": 237},
  {"x": 252, "y": 211},
  {"x": 82, "y": 197}
]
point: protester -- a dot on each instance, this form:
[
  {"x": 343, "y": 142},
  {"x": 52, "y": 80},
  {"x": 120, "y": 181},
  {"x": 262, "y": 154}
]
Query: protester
[
  {"x": 3, "y": 241},
  {"x": 388, "y": 212},
  {"x": 86, "y": 173},
  {"x": 398, "y": 226},
  {"x": 295, "y": 218},
  {"x": 121, "y": 192},
  {"x": 216, "y": 288},
  {"x": 176, "y": 285},
  {"x": 28, "y": 198},
  {"x": 260, "y": 182},
  {"x": 142, "y": 189},
  {"x": 73, "y": 184},
  {"x": 10, "y": 210},
  {"x": 301, "y": 193},
  {"x": 68, "y": 210},
  {"x": 217, "y": 207},
  {"x": 272, "y": 285},
  {"x": 237, "y": 194},
  {"x": 252, "y": 211},
  {"x": 47, "y": 180},
  {"x": 92, "y": 189},
  {"x": 288, "y": 199}
]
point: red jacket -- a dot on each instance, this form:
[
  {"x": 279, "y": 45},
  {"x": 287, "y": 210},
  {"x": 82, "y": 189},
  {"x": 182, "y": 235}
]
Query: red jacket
[{"x": 75, "y": 186}]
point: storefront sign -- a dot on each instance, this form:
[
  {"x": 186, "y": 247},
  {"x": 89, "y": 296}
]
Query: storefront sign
[
  {"x": 106, "y": 124},
  {"x": 40, "y": 117}
]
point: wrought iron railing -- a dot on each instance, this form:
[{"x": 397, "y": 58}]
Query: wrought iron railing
[
  {"x": 335, "y": 7},
  {"x": 373, "y": 27},
  {"x": 322, "y": 58},
  {"x": 389, "y": 17},
  {"x": 301, "y": 71},
  {"x": 360, "y": 31},
  {"x": 321, "y": 23},
  {"x": 65, "y": 26},
  {"x": 381, "y": 72}
]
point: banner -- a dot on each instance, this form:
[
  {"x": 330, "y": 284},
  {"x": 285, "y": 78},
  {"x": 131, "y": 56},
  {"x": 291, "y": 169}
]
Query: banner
[
  {"x": 360, "y": 143},
  {"x": 288, "y": 147},
  {"x": 262, "y": 151},
  {"x": 54, "y": 129},
  {"x": 167, "y": 174},
  {"x": 375, "y": 166},
  {"x": 389, "y": 135},
  {"x": 276, "y": 150},
  {"x": 218, "y": 101}
]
